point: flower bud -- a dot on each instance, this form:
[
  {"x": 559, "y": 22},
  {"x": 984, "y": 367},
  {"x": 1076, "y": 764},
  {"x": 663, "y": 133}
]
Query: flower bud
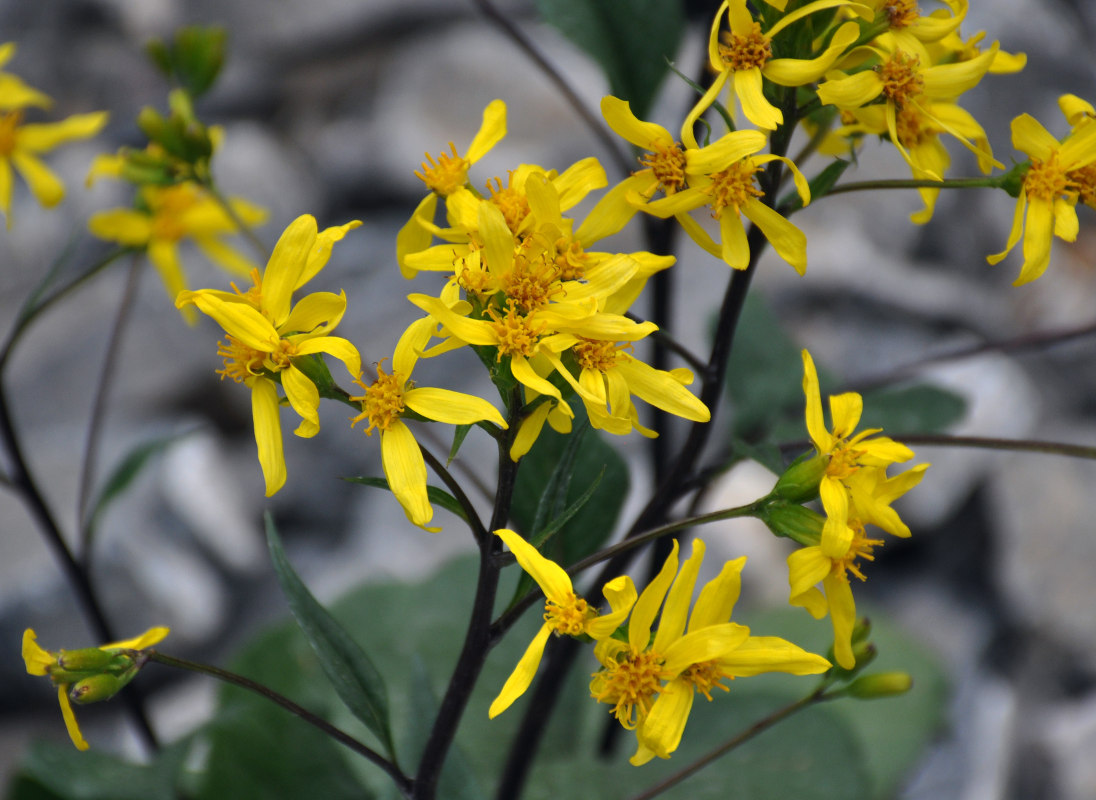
[
  {"x": 1013, "y": 180},
  {"x": 99, "y": 687},
  {"x": 880, "y": 684},
  {"x": 88, "y": 659},
  {"x": 793, "y": 521},
  {"x": 799, "y": 483}
]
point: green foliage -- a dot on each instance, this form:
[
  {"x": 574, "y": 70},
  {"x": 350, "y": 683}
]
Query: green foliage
[
  {"x": 349, "y": 669},
  {"x": 193, "y": 60},
  {"x": 631, "y": 40}
]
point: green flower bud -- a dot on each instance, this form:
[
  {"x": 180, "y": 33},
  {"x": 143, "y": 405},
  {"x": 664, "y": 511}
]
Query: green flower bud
[
  {"x": 1013, "y": 180},
  {"x": 99, "y": 687},
  {"x": 151, "y": 122},
  {"x": 793, "y": 521},
  {"x": 88, "y": 659},
  {"x": 799, "y": 483},
  {"x": 880, "y": 684}
]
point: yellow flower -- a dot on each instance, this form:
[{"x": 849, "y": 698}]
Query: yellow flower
[
  {"x": 1052, "y": 183},
  {"x": 266, "y": 335},
  {"x": 389, "y": 396},
  {"x": 450, "y": 171},
  {"x": 721, "y": 176},
  {"x": 742, "y": 57},
  {"x": 22, "y": 144},
  {"x": 651, "y": 681},
  {"x": 564, "y": 613},
  {"x": 80, "y": 674},
  {"x": 168, "y": 214}
]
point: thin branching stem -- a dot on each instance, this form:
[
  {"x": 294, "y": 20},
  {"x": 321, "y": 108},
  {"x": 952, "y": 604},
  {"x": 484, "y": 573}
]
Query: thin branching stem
[
  {"x": 474, "y": 522},
  {"x": 913, "y": 183}
]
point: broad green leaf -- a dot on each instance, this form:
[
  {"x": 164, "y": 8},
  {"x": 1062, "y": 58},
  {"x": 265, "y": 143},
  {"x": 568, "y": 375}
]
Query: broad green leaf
[
  {"x": 259, "y": 751},
  {"x": 347, "y": 666},
  {"x": 438, "y": 497},
  {"x": 60, "y": 771},
  {"x": 630, "y": 39},
  {"x": 591, "y": 524},
  {"x": 916, "y": 409}
]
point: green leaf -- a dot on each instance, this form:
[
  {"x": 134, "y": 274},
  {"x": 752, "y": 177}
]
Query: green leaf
[
  {"x": 54, "y": 771},
  {"x": 630, "y": 39},
  {"x": 916, "y": 409},
  {"x": 592, "y": 523},
  {"x": 459, "y": 434},
  {"x": 259, "y": 751},
  {"x": 349, "y": 669},
  {"x": 126, "y": 472},
  {"x": 438, "y": 497}
]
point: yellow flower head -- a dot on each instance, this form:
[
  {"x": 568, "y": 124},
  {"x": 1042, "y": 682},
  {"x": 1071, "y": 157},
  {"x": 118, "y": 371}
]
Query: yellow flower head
[
  {"x": 1060, "y": 173},
  {"x": 22, "y": 143},
  {"x": 564, "y": 613},
  {"x": 267, "y": 333},
  {"x": 449, "y": 171},
  {"x": 76, "y": 672}
]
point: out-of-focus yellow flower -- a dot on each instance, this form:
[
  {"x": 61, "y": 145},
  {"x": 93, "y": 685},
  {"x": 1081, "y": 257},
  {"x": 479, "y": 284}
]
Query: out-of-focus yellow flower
[
  {"x": 22, "y": 143},
  {"x": 1059, "y": 174},
  {"x": 166, "y": 215},
  {"x": 87, "y": 675},
  {"x": 386, "y": 399},
  {"x": 266, "y": 334},
  {"x": 564, "y": 613}
]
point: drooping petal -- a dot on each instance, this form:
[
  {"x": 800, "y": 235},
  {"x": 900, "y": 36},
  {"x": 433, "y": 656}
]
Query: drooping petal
[
  {"x": 69, "y": 716},
  {"x": 334, "y": 346},
  {"x": 748, "y": 88},
  {"x": 663, "y": 727},
  {"x": 806, "y": 568},
  {"x": 621, "y": 595},
  {"x": 1038, "y": 233},
  {"x": 268, "y": 433},
  {"x": 122, "y": 225},
  {"x": 405, "y": 470},
  {"x": 37, "y": 660},
  {"x": 760, "y": 654},
  {"x": 522, "y": 675},
  {"x": 45, "y": 185},
  {"x": 842, "y": 616},
  {"x": 305, "y": 400},
  {"x": 550, "y": 576},
  {"x": 618, "y": 114},
  {"x": 787, "y": 240}
]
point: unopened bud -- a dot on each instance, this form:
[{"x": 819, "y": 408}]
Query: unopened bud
[
  {"x": 99, "y": 687},
  {"x": 800, "y": 481},
  {"x": 880, "y": 684},
  {"x": 793, "y": 521}
]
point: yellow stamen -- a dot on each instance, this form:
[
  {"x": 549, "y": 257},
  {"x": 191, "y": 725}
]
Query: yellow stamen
[
  {"x": 447, "y": 174},
  {"x": 860, "y": 548},
  {"x": 597, "y": 355},
  {"x": 668, "y": 166},
  {"x": 241, "y": 362},
  {"x": 1046, "y": 180},
  {"x": 901, "y": 80},
  {"x": 253, "y": 295},
  {"x": 630, "y": 686},
  {"x": 571, "y": 260},
  {"x": 734, "y": 186},
  {"x": 911, "y": 128},
  {"x": 705, "y": 677},
  {"x": 532, "y": 281},
  {"x": 902, "y": 13},
  {"x": 382, "y": 402},
  {"x": 571, "y": 617},
  {"x": 517, "y": 336},
  {"x": 512, "y": 203},
  {"x": 745, "y": 52},
  {"x": 1084, "y": 180}
]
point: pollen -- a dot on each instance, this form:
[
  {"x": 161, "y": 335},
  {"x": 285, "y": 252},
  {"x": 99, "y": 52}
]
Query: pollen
[
  {"x": 597, "y": 355},
  {"x": 910, "y": 124},
  {"x": 630, "y": 687},
  {"x": 1046, "y": 180},
  {"x": 667, "y": 164},
  {"x": 241, "y": 362},
  {"x": 9, "y": 124},
  {"x": 844, "y": 461},
  {"x": 901, "y": 79},
  {"x": 734, "y": 187},
  {"x": 284, "y": 353},
  {"x": 445, "y": 175},
  {"x": 860, "y": 548},
  {"x": 253, "y": 295},
  {"x": 745, "y": 52},
  {"x": 571, "y": 617},
  {"x": 512, "y": 203},
  {"x": 705, "y": 677},
  {"x": 516, "y": 334},
  {"x": 902, "y": 13},
  {"x": 571, "y": 259},
  {"x": 382, "y": 402}
]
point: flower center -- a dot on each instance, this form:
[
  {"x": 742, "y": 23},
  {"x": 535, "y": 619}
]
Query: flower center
[
  {"x": 901, "y": 13},
  {"x": 596, "y": 355},
  {"x": 9, "y": 124},
  {"x": 253, "y": 295},
  {"x": 1084, "y": 180},
  {"x": 1046, "y": 180},
  {"x": 570, "y": 259},
  {"x": 734, "y": 187},
  {"x": 667, "y": 164},
  {"x": 911, "y": 128},
  {"x": 532, "y": 281},
  {"x": 860, "y": 548},
  {"x": 901, "y": 80},
  {"x": 705, "y": 677},
  {"x": 382, "y": 402},
  {"x": 630, "y": 686},
  {"x": 447, "y": 174},
  {"x": 517, "y": 336},
  {"x": 241, "y": 362},
  {"x": 512, "y": 203},
  {"x": 844, "y": 461},
  {"x": 744, "y": 52},
  {"x": 569, "y": 618},
  {"x": 169, "y": 209}
]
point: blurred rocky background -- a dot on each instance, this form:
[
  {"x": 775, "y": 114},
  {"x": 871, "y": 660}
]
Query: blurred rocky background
[{"x": 328, "y": 107}]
